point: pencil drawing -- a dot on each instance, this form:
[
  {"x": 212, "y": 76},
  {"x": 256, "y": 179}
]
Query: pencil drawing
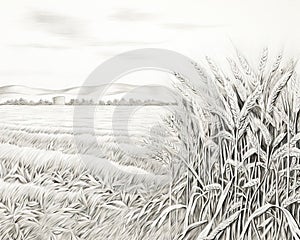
[{"x": 149, "y": 120}]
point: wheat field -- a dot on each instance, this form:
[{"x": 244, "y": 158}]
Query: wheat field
[{"x": 224, "y": 164}]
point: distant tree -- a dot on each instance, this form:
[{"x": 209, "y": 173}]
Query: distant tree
[
  {"x": 71, "y": 102},
  {"x": 83, "y": 102},
  {"x": 9, "y": 102},
  {"x": 47, "y": 102},
  {"x": 22, "y": 101},
  {"x": 115, "y": 102},
  {"x": 123, "y": 102},
  {"x": 131, "y": 101},
  {"x": 147, "y": 102}
]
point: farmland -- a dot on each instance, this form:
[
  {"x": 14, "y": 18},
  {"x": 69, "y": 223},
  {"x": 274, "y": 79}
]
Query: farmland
[
  {"x": 48, "y": 186},
  {"x": 223, "y": 164}
]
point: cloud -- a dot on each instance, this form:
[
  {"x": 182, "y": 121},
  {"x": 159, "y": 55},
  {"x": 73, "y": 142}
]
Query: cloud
[
  {"x": 131, "y": 15},
  {"x": 121, "y": 43},
  {"x": 40, "y": 46},
  {"x": 65, "y": 26},
  {"x": 189, "y": 26},
  {"x": 23, "y": 72}
]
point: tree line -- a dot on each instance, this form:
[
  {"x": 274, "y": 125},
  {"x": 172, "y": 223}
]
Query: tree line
[{"x": 129, "y": 102}]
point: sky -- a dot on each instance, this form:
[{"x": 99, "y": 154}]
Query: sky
[{"x": 57, "y": 43}]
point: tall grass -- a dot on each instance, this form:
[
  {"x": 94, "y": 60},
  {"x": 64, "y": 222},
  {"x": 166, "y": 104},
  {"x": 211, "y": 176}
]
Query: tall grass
[{"x": 242, "y": 154}]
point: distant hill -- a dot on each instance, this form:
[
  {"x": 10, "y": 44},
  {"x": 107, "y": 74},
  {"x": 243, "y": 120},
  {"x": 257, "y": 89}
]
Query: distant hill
[
  {"x": 106, "y": 92},
  {"x": 24, "y": 90}
]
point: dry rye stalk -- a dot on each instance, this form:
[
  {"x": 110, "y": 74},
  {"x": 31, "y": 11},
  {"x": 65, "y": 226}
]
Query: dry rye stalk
[{"x": 271, "y": 139}]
